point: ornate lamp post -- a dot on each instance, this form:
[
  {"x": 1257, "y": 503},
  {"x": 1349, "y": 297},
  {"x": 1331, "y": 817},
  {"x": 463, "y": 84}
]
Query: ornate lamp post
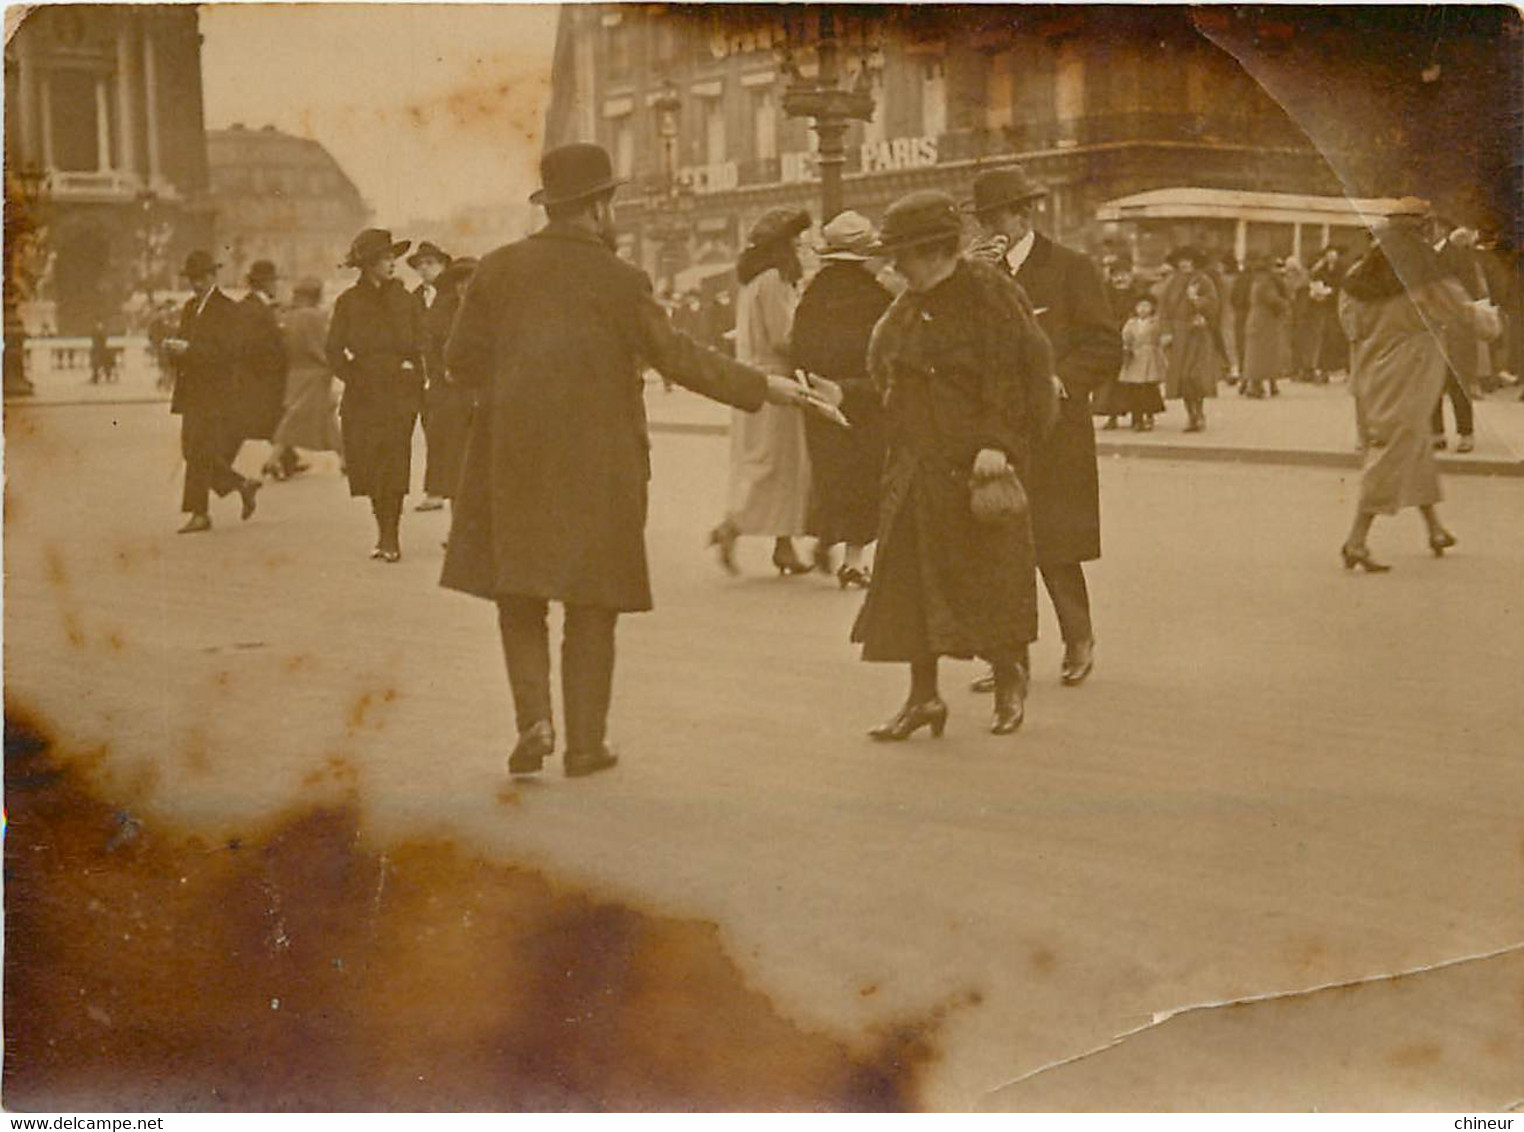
[
  {"x": 25, "y": 250},
  {"x": 831, "y": 107},
  {"x": 670, "y": 227}
]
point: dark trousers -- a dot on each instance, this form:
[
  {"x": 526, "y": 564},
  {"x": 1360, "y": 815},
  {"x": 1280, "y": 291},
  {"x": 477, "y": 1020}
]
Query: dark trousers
[
  {"x": 1460, "y": 402},
  {"x": 587, "y": 667},
  {"x": 1071, "y": 600},
  {"x": 210, "y": 444}
]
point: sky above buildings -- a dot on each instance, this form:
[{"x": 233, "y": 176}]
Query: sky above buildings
[{"x": 428, "y": 107}]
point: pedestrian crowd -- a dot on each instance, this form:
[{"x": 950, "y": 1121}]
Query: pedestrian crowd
[{"x": 923, "y": 391}]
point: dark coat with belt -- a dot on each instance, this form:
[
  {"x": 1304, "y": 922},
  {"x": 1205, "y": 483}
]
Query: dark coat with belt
[
  {"x": 206, "y": 374},
  {"x": 962, "y": 367},
  {"x": 446, "y": 406},
  {"x": 1072, "y": 309},
  {"x": 832, "y": 326},
  {"x": 375, "y": 347},
  {"x": 552, "y": 334},
  {"x": 263, "y": 369}
]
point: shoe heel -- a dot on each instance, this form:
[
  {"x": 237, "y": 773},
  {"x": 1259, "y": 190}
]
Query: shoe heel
[{"x": 939, "y": 725}]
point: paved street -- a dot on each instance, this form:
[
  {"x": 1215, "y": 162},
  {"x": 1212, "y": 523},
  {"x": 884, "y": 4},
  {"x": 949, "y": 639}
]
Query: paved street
[{"x": 1281, "y": 776}]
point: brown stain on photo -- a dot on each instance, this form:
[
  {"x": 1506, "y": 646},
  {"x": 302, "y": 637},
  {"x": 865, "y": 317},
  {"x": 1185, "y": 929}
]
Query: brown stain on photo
[
  {"x": 296, "y": 969},
  {"x": 1416, "y": 1055}
]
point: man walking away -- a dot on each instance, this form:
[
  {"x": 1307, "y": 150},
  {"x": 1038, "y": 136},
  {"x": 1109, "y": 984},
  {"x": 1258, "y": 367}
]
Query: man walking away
[{"x": 554, "y": 330}]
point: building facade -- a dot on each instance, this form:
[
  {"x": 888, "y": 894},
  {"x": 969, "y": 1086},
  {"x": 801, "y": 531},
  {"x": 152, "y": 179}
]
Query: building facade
[
  {"x": 104, "y": 113},
  {"x": 1097, "y": 103},
  {"x": 281, "y": 198}
]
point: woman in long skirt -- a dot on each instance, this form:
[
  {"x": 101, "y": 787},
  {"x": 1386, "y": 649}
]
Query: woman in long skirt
[
  {"x": 1265, "y": 341},
  {"x": 965, "y": 376},
  {"x": 309, "y": 422},
  {"x": 834, "y": 321},
  {"x": 1188, "y": 310},
  {"x": 375, "y": 349},
  {"x": 769, "y": 460},
  {"x": 1396, "y": 308}
]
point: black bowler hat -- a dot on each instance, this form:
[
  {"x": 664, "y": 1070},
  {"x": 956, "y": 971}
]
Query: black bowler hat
[
  {"x": 199, "y": 263},
  {"x": 261, "y": 271},
  {"x": 1003, "y": 188},
  {"x": 574, "y": 172},
  {"x": 918, "y": 218},
  {"x": 428, "y": 250},
  {"x": 371, "y": 244}
]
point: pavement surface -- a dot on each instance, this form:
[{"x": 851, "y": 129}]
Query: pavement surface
[{"x": 1269, "y": 857}]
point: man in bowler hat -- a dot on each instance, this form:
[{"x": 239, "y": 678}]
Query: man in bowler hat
[
  {"x": 1069, "y": 297},
  {"x": 262, "y": 368},
  {"x": 205, "y": 354},
  {"x": 553, "y": 331}
]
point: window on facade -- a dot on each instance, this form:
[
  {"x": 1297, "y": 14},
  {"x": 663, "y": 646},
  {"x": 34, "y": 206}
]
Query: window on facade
[
  {"x": 1069, "y": 84},
  {"x": 617, "y": 39},
  {"x": 76, "y": 136},
  {"x": 624, "y": 145},
  {"x": 714, "y": 130},
  {"x": 873, "y": 130},
  {"x": 764, "y": 117},
  {"x": 933, "y": 97}
]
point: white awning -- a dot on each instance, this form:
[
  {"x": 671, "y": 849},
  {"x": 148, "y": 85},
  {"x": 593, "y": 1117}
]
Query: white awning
[{"x": 1235, "y": 204}]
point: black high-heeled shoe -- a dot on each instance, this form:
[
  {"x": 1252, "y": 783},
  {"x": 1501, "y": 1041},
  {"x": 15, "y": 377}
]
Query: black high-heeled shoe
[
  {"x": 1441, "y": 542},
  {"x": 1361, "y": 556},
  {"x": 853, "y": 576},
  {"x": 910, "y": 719},
  {"x": 788, "y": 563}
]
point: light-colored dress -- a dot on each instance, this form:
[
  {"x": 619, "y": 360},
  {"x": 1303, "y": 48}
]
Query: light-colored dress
[
  {"x": 1144, "y": 362},
  {"x": 1397, "y": 366},
  {"x": 769, "y": 460},
  {"x": 311, "y": 418}
]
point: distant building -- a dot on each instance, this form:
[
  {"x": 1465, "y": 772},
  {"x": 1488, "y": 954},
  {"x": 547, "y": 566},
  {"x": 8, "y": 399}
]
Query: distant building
[
  {"x": 1097, "y": 102},
  {"x": 281, "y": 198},
  {"x": 103, "y": 103}
]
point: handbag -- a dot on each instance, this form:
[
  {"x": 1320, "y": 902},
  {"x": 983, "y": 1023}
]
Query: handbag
[{"x": 996, "y": 500}]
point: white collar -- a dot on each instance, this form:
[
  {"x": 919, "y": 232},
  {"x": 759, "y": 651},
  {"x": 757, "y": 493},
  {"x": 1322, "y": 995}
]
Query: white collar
[
  {"x": 201, "y": 306},
  {"x": 1020, "y": 250}
]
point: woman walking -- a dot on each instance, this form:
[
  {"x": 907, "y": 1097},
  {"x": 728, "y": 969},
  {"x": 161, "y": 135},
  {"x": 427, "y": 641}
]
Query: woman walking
[
  {"x": 309, "y": 421},
  {"x": 966, "y": 379},
  {"x": 375, "y": 349},
  {"x": 1396, "y": 307},
  {"x": 1188, "y": 310},
  {"x": 446, "y": 405},
  {"x": 1143, "y": 368},
  {"x": 835, "y": 319},
  {"x": 1265, "y": 334},
  {"x": 769, "y": 461}
]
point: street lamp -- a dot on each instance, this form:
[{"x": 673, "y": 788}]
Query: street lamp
[
  {"x": 24, "y": 251},
  {"x": 670, "y": 229},
  {"x": 831, "y": 107}
]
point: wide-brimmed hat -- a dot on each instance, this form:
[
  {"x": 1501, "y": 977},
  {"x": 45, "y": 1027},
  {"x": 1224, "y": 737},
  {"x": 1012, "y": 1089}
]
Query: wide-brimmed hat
[
  {"x": 372, "y": 244},
  {"x": 918, "y": 218},
  {"x": 262, "y": 271},
  {"x": 459, "y": 270},
  {"x": 574, "y": 172},
  {"x": 848, "y": 238},
  {"x": 1002, "y": 188},
  {"x": 777, "y": 224},
  {"x": 199, "y": 263},
  {"x": 428, "y": 250}
]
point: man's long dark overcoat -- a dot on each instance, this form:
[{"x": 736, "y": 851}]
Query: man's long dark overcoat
[
  {"x": 1070, "y": 299},
  {"x": 206, "y": 374},
  {"x": 262, "y": 370},
  {"x": 553, "y": 333}
]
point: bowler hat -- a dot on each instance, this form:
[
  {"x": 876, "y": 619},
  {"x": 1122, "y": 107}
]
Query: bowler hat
[
  {"x": 918, "y": 218},
  {"x": 777, "y": 224},
  {"x": 261, "y": 271},
  {"x": 848, "y": 237},
  {"x": 371, "y": 244},
  {"x": 1002, "y": 188},
  {"x": 199, "y": 263},
  {"x": 574, "y": 172},
  {"x": 428, "y": 250}
]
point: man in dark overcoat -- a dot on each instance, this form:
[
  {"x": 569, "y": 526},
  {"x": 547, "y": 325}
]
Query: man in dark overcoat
[
  {"x": 205, "y": 354},
  {"x": 553, "y": 332},
  {"x": 1069, "y": 296},
  {"x": 262, "y": 364}
]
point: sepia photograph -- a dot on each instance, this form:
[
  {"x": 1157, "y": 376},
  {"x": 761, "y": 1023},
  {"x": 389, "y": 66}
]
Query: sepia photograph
[{"x": 642, "y": 558}]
